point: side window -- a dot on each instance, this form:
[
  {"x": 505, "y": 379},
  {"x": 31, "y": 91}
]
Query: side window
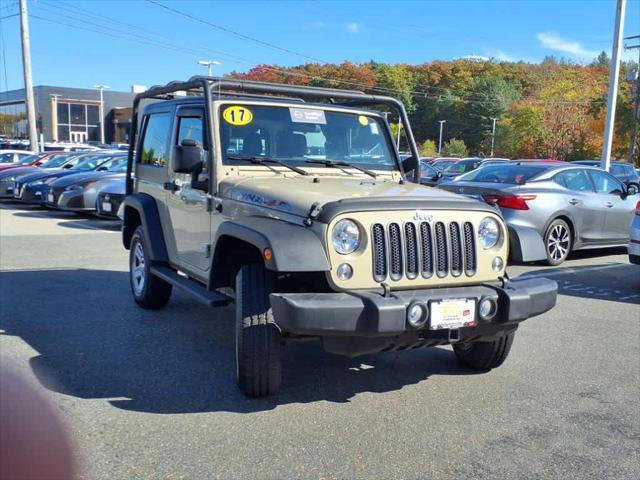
[
  {"x": 618, "y": 170},
  {"x": 575, "y": 180},
  {"x": 155, "y": 140},
  {"x": 605, "y": 183}
]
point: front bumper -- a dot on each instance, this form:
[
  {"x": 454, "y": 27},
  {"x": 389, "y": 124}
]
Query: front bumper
[
  {"x": 370, "y": 314},
  {"x": 108, "y": 204},
  {"x": 71, "y": 200},
  {"x": 36, "y": 194}
]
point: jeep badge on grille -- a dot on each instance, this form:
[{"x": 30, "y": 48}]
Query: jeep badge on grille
[{"x": 422, "y": 216}]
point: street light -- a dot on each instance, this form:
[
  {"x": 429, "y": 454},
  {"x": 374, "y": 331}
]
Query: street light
[
  {"x": 101, "y": 88},
  {"x": 441, "y": 122},
  {"x": 208, "y": 64}
]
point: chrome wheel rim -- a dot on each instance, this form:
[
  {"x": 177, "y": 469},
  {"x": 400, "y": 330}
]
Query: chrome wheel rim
[
  {"x": 138, "y": 273},
  {"x": 558, "y": 242}
]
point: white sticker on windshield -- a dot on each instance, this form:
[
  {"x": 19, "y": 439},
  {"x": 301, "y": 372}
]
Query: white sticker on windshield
[
  {"x": 307, "y": 115},
  {"x": 374, "y": 128}
]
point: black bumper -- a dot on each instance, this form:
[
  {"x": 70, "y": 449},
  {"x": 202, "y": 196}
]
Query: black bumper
[
  {"x": 370, "y": 314},
  {"x": 634, "y": 258}
]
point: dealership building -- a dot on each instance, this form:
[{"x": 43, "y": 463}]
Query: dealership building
[{"x": 69, "y": 114}]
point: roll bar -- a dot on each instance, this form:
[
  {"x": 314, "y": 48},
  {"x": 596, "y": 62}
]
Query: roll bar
[{"x": 207, "y": 86}]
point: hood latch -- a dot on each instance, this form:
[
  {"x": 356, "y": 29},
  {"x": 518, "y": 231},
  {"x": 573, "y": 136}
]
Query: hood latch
[{"x": 314, "y": 211}]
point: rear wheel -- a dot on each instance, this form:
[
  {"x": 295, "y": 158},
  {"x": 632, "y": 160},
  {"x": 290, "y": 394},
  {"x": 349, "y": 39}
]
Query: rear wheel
[
  {"x": 557, "y": 241},
  {"x": 484, "y": 355},
  {"x": 258, "y": 341},
  {"x": 148, "y": 290}
]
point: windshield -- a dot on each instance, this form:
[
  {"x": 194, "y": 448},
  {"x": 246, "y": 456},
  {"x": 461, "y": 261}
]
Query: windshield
[
  {"x": 515, "y": 174},
  {"x": 442, "y": 164},
  {"x": 298, "y": 134},
  {"x": 56, "y": 161},
  {"x": 89, "y": 162},
  {"x": 28, "y": 160},
  {"x": 115, "y": 164},
  {"x": 462, "y": 166}
]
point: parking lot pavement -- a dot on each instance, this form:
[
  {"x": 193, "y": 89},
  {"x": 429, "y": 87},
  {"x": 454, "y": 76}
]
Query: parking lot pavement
[{"x": 152, "y": 395}]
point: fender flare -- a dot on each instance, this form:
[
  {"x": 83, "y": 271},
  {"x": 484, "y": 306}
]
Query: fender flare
[
  {"x": 147, "y": 209},
  {"x": 526, "y": 244},
  {"x": 294, "y": 248}
]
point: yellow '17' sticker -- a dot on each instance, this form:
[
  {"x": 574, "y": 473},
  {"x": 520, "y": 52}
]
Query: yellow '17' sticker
[
  {"x": 237, "y": 115},
  {"x": 364, "y": 121}
]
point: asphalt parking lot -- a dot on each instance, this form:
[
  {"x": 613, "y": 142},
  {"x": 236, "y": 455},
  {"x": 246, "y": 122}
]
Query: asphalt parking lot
[{"x": 152, "y": 394}]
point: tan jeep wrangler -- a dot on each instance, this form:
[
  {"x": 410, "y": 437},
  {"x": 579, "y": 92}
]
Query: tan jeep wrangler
[{"x": 293, "y": 201}]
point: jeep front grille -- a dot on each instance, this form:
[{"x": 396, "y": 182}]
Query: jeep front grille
[{"x": 415, "y": 249}]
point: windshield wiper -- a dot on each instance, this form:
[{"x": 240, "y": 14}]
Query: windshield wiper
[
  {"x": 333, "y": 163},
  {"x": 258, "y": 160}
]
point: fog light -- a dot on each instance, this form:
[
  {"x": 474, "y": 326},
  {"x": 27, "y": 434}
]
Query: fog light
[
  {"x": 487, "y": 308},
  {"x": 417, "y": 314},
  {"x": 344, "y": 271},
  {"x": 497, "y": 264}
]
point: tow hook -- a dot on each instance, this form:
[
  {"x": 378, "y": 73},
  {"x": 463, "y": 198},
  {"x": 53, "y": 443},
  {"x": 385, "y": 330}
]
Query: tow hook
[{"x": 454, "y": 335}]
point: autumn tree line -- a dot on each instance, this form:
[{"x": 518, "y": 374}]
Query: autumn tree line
[{"x": 555, "y": 109}]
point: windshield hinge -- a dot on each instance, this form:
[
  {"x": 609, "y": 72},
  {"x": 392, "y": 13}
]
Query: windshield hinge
[{"x": 314, "y": 211}]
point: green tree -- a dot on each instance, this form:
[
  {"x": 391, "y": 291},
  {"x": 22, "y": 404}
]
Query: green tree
[
  {"x": 601, "y": 60},
  {"x": 428, "y": 149},
  {"x": 455, "y": 148}
]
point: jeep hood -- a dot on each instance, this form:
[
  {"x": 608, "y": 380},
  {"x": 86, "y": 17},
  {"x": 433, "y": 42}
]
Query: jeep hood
[{"x": 297, "y": 195}]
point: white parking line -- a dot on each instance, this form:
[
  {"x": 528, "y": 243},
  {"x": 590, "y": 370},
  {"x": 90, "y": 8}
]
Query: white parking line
[{"x": 564, "y": 271}]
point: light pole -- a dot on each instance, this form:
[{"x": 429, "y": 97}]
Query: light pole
[
  {"x": 208, "y": 64},
  {"x": 441, "y": 122},
  {"x": 54, "y": 116},
  {"x": 101, "y": 88},
  {"x": 493, "y": 135}
]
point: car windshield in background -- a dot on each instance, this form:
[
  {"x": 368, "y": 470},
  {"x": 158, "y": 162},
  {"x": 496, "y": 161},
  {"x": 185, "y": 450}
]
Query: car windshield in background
[
  {"x": 443, "y": 164},
  {"x": 461, "y": 167},
  {"x": 56, "y": 161},
  {"x": 296, "y": 135},
  {"x": 115, "y": 164},
  {"x": 512, "y": 174},
  {"x": 28, "y": 160},
  {"x": 90, "y": 162}
]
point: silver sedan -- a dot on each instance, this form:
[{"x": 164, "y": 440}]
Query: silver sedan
[{"x": 553, "y": 208}]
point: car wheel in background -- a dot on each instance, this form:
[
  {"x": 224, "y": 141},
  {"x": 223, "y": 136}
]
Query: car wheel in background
[
  {"x": 258, "y": 364},
  {"x": 148, "y": 290},
  {"x": 557, "y": 242},
  {"x": 484, "y": 355}
]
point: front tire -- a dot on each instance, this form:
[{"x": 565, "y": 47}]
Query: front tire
[
  {"x": 557, "y": 242},
  {"x": 484, "y": 355},
  {"x": 258, "y": 341},
  {"x": 148, "y": 291}
]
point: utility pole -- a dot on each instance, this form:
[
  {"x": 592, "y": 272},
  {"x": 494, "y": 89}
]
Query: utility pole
[
  {"x": 441, "y": 122},
  {"x": 208, "y": 64},
  {"x": 101, "y": 88},
  {"x": 493, "y": 135},
  {"x": 614, "y": 76},
  {"x": 636, "y": 110},
  {"x": 28, "y": 82}
]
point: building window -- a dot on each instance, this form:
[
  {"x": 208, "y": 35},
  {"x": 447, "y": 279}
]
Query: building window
[
  {"x": 13, "y": 120},
  {"x": 78, "y": 122}
]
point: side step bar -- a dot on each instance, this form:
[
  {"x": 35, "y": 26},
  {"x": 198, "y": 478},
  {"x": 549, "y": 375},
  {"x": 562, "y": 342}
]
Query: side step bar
[{"x": 211, "y": 299}]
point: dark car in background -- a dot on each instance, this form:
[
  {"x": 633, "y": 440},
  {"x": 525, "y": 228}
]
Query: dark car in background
[
  {"x": 78, "y": 192},
  {"x": 467, "y": 165},
  {"x": 442, "y": 163},
  {"x": 553, "y": 208},
  {"x": 622, "y": 171},
  {"x": 32, "y": 187},
  {"x": 8, "y": 177}
]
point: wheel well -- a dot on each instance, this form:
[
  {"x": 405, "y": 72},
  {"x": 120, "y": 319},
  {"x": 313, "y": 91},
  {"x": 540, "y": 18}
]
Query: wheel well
[
  {"x": 131, "y": 221},
  {"x": 230, "y": 254}
]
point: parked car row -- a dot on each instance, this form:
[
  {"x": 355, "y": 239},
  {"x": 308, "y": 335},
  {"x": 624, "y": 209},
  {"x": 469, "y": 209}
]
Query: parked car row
[{"x": 87, "y": 182}]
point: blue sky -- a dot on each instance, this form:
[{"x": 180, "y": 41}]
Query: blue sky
[{"x": 128, "y": 50}]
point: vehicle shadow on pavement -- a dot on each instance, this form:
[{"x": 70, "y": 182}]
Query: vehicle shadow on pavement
[
  {"x": 94, "y": 342},
  {"x": 615, "y": 282},
  {"x": 90, "y": 223}
]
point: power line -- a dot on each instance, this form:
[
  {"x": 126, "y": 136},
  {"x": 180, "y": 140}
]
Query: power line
[{"x": 233, "y": 32}]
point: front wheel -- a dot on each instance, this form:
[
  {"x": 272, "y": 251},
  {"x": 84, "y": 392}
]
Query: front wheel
[
  {"x": 557, "y": 241},
  {"x": 258, "y": 341},
  {"x": 484, "y": 355}
]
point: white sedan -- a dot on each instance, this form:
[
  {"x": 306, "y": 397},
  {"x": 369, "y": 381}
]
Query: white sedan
[{"x": 13, "y": 156}]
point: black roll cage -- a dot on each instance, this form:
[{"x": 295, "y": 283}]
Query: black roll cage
[{"x": 208, "y": 86}]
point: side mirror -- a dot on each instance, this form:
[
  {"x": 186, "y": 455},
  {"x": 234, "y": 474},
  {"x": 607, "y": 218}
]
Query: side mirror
[
  {"x": 37, "y": 164},
  {"x": 67, "y": 166},
  {"x": 411, "y": 167},
  {"x": 632, "y": 189},
  {"x": 101, "y": 169},
  {"x": 187, "y": 157}
]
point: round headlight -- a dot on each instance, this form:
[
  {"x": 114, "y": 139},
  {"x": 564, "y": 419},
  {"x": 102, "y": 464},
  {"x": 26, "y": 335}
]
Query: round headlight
[
  {"x": 488, "y": 232},
  {"x": 345, "y": 236}
]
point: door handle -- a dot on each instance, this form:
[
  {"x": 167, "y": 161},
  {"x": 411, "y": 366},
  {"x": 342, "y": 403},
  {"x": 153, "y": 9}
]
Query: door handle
[
  {"x": 573, "y": 201},
  {"x": 171, "y": 186},
  {"x": 609, "y": 204}
]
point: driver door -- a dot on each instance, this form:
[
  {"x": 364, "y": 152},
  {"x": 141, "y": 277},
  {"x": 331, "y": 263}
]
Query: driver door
[{"x": 187, "y": 206}]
